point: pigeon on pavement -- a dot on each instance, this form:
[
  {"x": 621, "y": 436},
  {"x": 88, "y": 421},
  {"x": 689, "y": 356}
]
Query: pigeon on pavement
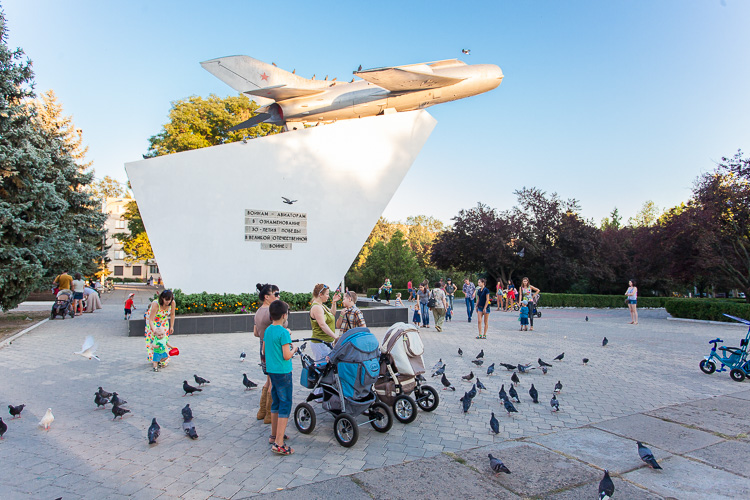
[
  {"x": 468, "y": 377},
  {"x": 606, "y": 487},
  {"x": 534, "y": 394},
  {"x": 502, "y": 393},
  {"x": 605, "y": 342},
  {"x": 508, "y": 366},
  {"x": 509, "y": 407},
  {"x": 116, "y": 400},
  {"x": 47, "y": 419},
  {"x": 524, "y": 368},
  {"x": 119, "y": 412},
  {"x": 587, "y": 318},
  {"x": 497, "y": 465},
  {"x": 494, "y": 424},
  {"x": 446, "y": 384},
  {"x": 647, "y": 456},
  {"x": 3, "y": 427},
  {"x": 481, "y": 354},
  {"x": 104, "y": 393},
  {"x": 477, "y": 362},
  {"x": 438, "y": 364},
  {"x": 542, "y": 363},
  {"x": 153, "y": 432},
  {"x": 473, "y": 392},
  {"x": 189, "y": 428},
  {"x": 242, "y": 356},
  {"x": 544, "y": 370},
  {"x": 466, "y": 401},
  {"x": 15, "y": 411},
  {"x": 439, "y": 371},
  {"x": 514, "y": 378},
  {"x": 201, "y": 380},
  {"x": 187, "y": 413},
  {"x": 100, "y": 401},
  {"x": 558, "y": 387},
  {"x": 559, "y": 357},
  {"x": 554, "y": 403},
  {"x": 585, "y": 361},
  {"x": 513, "y": 394},
  {"x": 460, "y": 352},
  {"x": 480, "y": 385},
  {"x": 491, "y": 369},
  {"x": 249, "y": 384},
  {"x": 88, "y": 350},
  {"x": 189, "y": 389}
]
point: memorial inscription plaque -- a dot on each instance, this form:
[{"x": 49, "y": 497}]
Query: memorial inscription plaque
[{"x": 275, "y": 230}]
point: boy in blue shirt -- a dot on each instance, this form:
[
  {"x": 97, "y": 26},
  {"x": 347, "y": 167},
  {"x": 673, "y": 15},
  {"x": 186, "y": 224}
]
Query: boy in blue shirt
[
  {"x": 524, "y": 316},
  {"x": 279, "y": 351}
]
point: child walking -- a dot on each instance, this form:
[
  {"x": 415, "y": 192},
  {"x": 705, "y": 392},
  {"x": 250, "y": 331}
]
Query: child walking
[
  {"x": 161, "y": 344},
  {"x": 417, "y": 318},
  {"x": 129, "y": 306},
  {"x": 279, "y": 351},
  {"x": 523, "y": 317}
]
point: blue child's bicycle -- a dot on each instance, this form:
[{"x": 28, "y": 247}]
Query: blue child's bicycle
[{"x": 734, "y": 358}]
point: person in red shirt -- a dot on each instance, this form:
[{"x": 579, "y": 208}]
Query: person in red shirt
[{"x": 129, "y": 306}]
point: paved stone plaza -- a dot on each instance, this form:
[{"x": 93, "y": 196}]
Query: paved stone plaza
[{"x": 644, "y": 385}]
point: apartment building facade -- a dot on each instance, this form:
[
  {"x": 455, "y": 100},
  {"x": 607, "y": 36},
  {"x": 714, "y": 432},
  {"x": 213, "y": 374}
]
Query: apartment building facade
[{"x": 118, "y": 267}]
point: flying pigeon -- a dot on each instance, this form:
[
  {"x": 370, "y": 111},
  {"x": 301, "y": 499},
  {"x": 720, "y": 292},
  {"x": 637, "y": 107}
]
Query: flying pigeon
[
  {"x": 288, "y": 201},
  {"x": 460, "y": 352},
  {"x": 439, "y": 371},
  {"x": 468, "y": 377},
  {"x": 189, "y": 389},
  {"x": 88, "y": 349},
  {"x": 605, "y": 342},
  {"x": 201, "y": 380},
  {"x": 559, "y": 357},
  {"x": 558, "y": 387},
  {"x": 3, "y": 427},
  {"x": 119, "y": 412},
  {"x": 606, "y": 487},
  {"x": 189, "y": 428},
  {"x": 502, "y": 393},
  {"x": 477, "y": 362},
  {"x": 187, "y": 413},
  {"x": 523, "y": 368},
  {"x": 100, "y": 401},
  {"x": 509, "y": 407},
  {"x": 466, "y": 400},
  {"x": 446, "y": 384},
  {"x": 153, "y": 432},
  {"x": 514, "y": 378},
  {"x": 585, "y": 361},
  {"x": 116, "y": 400},
  {"x": 508, "y": 366},
  {"x": 554, "y": 403},
  {"x": 494, "y": 424},
  {"x": 242, "y": 356},
  {"x": 513, "y": 393},
  {"x": 522, "y": 253},
  {"x": 47, "y": 419},
  {"x": 104, "y": 393},
  {"x": 466, "y": 51},
  {"x": 491, "y": 369},
  {"x": 480, "y": 385},
  {"x": 534, "y": 394},
  {"x": 544, "y": 370},
  {"x": 497, "y": 465},
  {"x": 473, "y": 392},
  {"x": 481, "y": 354},
  {"x": 249, "y": 384},
  {"x": 542, "y": 363},
  {"x": 647, "y": 456},
  {"x": 15, "y": 411}
]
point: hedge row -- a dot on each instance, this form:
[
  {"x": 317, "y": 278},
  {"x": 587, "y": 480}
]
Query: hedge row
[
  {"x": 707, "y": 309},
  {"x": 228, "y": 303}
]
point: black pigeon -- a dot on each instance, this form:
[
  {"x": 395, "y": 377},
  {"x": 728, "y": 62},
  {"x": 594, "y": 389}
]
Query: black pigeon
[
  {"x": 100, "y": 401},
  {"x": 189, "y": 389},
  {"x": 481, "y": 354},
  {"x": 104, "y": 393},
  {"x": 544, "y": 370},
  {"x": 514, "y": 378},
  {"x": 606, "y": 487},
  {"x": 497, "y": 465},
  {"x": 187, "y": 413},
  {"x": 439, "y": 371},
  {"x": 494, "y": 424},
  {"x": 554, "y": 403},
  {"x": 201, "y": 380},
  {"x": 3, "y": 427},
  {"x": 473, "y": 392},
  {"x": 153, "y": 432},
  {"x": 559, "y": 357},
  {"x": 647, "y": 456},
  {"x": 15, "y": 411},
  {"x": 468, "y": 377},
  {"x": 513, "y": 394},
  {"x": 508, "y": 366},
  {"x": 477, "y": 362},
  {"x": 242, "y": 356},
  {"x": 460, "y": 352},
  {"x": 585, "y": 361},
  {"x": 523, "y": 368},
  {"x": 446, "y": 384},
  {"x": 466, "y": 400},
  {"x": 438, "y": 364},
  {"x": 534, "y": 394},
  {"x": 542, "y": 363},
  {"x": 491, "y": 369},
  {"x": 117, "y": 401},
  {"x": 509, "y": 407},
  {"x": 605, "y": 342},
  {"x": 480, "y": 385},
  {"x": 502, "y": 393},
  {"x": 249, "y": 384},
  {"x": 119, "y": 412},
  {"x": 189, "y": 428},
  {"x": 587, "y": 318},
  {"x": 558, "y": 387}
]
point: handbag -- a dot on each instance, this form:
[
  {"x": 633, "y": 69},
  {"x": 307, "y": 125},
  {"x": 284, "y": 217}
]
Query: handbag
[{"x": 432, "y": 302}]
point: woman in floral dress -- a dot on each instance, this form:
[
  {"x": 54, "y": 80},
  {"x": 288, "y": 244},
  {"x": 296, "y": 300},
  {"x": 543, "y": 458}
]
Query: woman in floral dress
[{"x": 160, "y": 314}]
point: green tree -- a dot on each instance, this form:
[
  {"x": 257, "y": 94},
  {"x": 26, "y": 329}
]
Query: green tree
[
  {"x": 614, "y": 221},
  {"x": 421, "y": 231},
  {"x": 647, "y": 216},
  {"x": 392, "y": 260},
  {"x": 108, "y": 188}
]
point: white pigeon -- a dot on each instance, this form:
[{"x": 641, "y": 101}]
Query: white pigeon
[
  {"x": 88, "y": 349},
  {"x": 47, "y": 419}
]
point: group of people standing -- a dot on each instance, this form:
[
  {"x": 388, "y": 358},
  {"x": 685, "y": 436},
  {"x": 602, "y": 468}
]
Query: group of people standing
[{"x": 84, "y": 297}]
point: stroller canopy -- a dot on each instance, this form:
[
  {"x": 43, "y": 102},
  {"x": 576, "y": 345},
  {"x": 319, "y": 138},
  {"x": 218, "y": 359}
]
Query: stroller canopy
[
  {"x": 357, "y": 358},
  {"x": 403, "y": 343}
]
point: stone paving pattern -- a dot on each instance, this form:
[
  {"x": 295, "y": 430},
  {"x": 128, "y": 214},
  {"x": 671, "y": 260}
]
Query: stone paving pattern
[{"x": 644, "y": 385}]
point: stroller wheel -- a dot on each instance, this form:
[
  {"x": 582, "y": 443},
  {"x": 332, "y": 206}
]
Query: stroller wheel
[
  {"x": 737, "y": 375},
  {"x": 427, "y": 398},
  {"x": 381, "y": 415},
  {"x": 345, "y": 429},
  {"x": 405, "y": 409},
  {"x": 304, "y": 418},
  {"x": 539, "y": 314},
  {"x": 707, "y": 367},
  {"x": 515, "y": 307}
]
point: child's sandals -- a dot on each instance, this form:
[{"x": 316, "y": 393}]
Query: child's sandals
[
  {"x": 272, "y": 439},
  {"x": 282, "y": 450}
]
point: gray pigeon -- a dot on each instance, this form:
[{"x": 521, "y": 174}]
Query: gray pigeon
[
  {"x": 153, "y": 432},
  {"x": 513, "y": 394},
  {"x": 242, "y": 356},
  {"x": 480, "y": 385},
  {"x": 439, "y": 371},
  {"x": 542, "y": 363},
  {"x": 497, "y": 465},
  {"x": 189, "y": 389},
  {"x": 119, "y": 412},
  {"x": 554, "y": 403},
  {"x": 189, "y": 428},
  {"x": 534, "y": 394},
  {"x": 187, "y": 413},
  {"x": 468, "y": 377},
  {"x": 606, "y": 487},
  {"x": 585, "y": 361},
  {"x": 200, "y": 380},
  {"x": 117, "y": 401},
  {"x": 559, "y": 357},
  {"x": 502, "y": 393},
  {"x": 466, "y": 400},
  {"x": 491, "y": 369},
  {"x": 477, "y": 362},
  {"x": 249, "y": 384},
  {"x": 514, "y": 378},
  {"x": 473, "y": 392},
  {"x": 446, "y": 384},
  {"x": 104, "y": 393},
  {"x": 460, "y": 352},
  {"x": 508, "y": 366},
  {"x": 647, "y": 456},
  {"x": 100, "y": 401},
  {"x": 544, "y": 370},
  {"x": 481, "y": 354},
  {"x": 605, "y": 342},
  {"x": 509, "y": 406},
  {"x": 494, "y": 424},
  {"x": 558, "y": 387},
  {"x": 523, "y": 368},
  {"x": 438, "y": 364}
]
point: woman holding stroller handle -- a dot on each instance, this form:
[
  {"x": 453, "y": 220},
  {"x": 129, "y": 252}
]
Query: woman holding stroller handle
[
  {"x": 351, "y": 316},
  {"x": 632, "y": 293},
  {"x": 267, "y": 294},
  {"x": 160, "y": 314},
  {"x": 323, "y": 321},
  {"x": 528, "y": 292}
]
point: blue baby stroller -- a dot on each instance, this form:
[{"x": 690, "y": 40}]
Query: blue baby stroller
[
  {"x": 734, "y": 358},
  {"x": 346, "y": 381}
]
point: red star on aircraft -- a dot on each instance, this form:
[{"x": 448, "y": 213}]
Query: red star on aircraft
[{"x": 264, "y": 76}]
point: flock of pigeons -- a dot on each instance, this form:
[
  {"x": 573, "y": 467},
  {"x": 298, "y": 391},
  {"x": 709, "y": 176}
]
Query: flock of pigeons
[{"x": 606, "y": 486}]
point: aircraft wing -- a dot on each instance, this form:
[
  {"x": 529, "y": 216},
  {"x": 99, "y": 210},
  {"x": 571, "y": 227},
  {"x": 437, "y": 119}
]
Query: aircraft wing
[
  {"x": 282, "y": 92},
  {"x": 400, "y": 79}
]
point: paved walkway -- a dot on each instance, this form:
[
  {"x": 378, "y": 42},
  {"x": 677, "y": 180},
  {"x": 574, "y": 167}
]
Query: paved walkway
[{"x": 645, "y": 379}]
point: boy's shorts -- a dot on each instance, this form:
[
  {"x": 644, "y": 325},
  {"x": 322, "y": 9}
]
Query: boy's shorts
[
  {"x": 160, "y": 356},
  {"x": 281, "y": 394},
  {"x": 127, "y": 311},
  {"x": 524, "y": 321}
]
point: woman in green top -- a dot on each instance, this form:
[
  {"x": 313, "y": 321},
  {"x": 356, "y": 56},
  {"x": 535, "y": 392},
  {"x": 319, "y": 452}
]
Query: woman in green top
[{"x": 323, "y": 321}]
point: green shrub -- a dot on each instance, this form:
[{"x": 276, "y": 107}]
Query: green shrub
[
  {"x": 404, "y": 293},
  {"x": 707, "y": 309},
  {"x": 228, "y": 303}
]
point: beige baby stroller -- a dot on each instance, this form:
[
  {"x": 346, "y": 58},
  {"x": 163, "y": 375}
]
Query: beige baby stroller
[{"x": 401, "y": 369}]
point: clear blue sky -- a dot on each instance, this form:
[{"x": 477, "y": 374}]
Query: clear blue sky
[{"x": 610, "y": 102}]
